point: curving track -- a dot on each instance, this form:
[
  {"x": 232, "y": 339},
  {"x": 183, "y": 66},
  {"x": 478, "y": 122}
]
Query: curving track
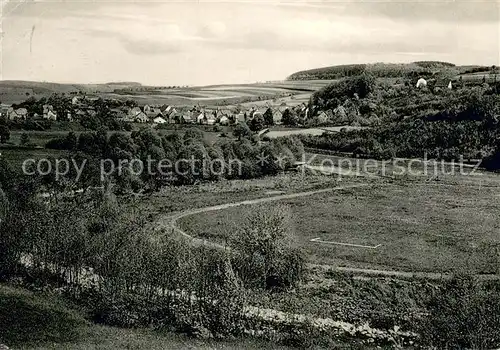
[{"x": 170, "y": 221}]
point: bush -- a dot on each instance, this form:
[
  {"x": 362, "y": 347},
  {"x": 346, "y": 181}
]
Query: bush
[
  {"x": 193, "y": 133},
  {"x": 465, "y": 314},
  {"x": 266, "y": 252}
]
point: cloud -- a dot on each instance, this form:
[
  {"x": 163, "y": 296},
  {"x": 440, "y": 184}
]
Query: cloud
[
  {"x": 140, "y": 45},
  {"x": 346, "y": 34},
  {"x": 251, "y": 40},
  {"x": 212, "y": 29},
  {"x": 150, "y": 47},
  {"x": 460, "y": 12}
]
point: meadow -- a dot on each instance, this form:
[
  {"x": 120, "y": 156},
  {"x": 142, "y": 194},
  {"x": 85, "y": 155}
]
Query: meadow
[{"x": 415, "y": 225}]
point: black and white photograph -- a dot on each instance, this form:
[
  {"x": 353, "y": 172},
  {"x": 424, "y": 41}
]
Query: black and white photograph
[{"x": 250, "y": 174}]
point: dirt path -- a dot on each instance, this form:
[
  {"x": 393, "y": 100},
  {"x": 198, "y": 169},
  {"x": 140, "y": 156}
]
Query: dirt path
[{"x": 170, "y": 221}]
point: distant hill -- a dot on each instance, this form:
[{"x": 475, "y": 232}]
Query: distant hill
[
  {"x": 15, "y": 91},
  {"x": 124, "y": 83},
  {"x": 385, "y": 70},
  {"x": 41, "y": 87}
]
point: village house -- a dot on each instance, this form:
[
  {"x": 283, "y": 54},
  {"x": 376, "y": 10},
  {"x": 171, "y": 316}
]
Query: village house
[
  {"x": 134, "y": 111},
  {"x": 79, "y": 114},
  {"x": 224, "y": 120},
  {"x": 226, "y": 112},
  {"x": 11, "y": 114},
  {"x": 250, "y": 114},
  {"x": 20, "y": 113},
  {"x": 49, "y": 113},
  {"x": 199, "y": 117},
  {"x": 4, "y": 109},
  {"x": 304, "y": 110},
  {"x": 211, "y": 118},
  {"x": 330, "y": 115},
  {"x": 154, "y": 112},
  {"x": 167, "y": 111},
  {"x": 259, "y": 112},
  {"x": 277, "y": 116},
  {"x": 141, "y": 118},
  {"x": 322, "y": 118},
  {"x": 121, "y": 114},
  {"x": 159, "y": 120},
  {"x": 172, "y": 117},
  {"x": 240, "y": 118},
  {"x": 340, "y": 114},
  {"x": 186, "y": 119},
  {"x": 137, "y": 115}
]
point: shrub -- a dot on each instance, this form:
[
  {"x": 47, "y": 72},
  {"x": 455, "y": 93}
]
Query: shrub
[
  {"x": 266, "y": 253},
  {"x": 465, "y": 314}
]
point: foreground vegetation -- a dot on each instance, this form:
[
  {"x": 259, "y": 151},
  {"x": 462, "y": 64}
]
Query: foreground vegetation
[
  {"x": 101, "y": 258},
  {"x": 44, "y": 320},
  {"x": 83, "y": 249}
]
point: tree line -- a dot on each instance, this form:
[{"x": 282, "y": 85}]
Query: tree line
[{"x": 244, "y": 158}]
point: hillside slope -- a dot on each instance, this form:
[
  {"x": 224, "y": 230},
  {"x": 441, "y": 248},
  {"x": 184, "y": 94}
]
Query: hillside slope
[
  {"x": 15, "y": 91},
  {"x": 386, "y": 70},
  {"x": 42, "y": 321}
]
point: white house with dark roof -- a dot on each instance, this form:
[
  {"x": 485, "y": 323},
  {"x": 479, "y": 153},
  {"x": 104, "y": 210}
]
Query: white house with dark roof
[
  {"x": 159, "y": 120},
  {"x": 224, "y": 120}
]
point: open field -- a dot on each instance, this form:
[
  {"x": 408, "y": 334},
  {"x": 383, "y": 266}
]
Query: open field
[
  {"x": 16, "y": 156},
  {"x": 415, "y": 225},
  {"x": 259, "y": 94},
  {"x": 210, "y": 96},
  {"x": 273, "y": 133}
]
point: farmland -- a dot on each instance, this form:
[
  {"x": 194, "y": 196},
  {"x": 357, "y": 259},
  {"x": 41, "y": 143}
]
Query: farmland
[
  {"x": 258, "y": 94},
  {"x": 211, "y": 96}
]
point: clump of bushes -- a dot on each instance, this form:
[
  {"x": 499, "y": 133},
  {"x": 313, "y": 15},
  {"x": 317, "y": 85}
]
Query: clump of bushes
[
  {"x": 266, "y": 253},
  {"x": 464, "y": 314}
]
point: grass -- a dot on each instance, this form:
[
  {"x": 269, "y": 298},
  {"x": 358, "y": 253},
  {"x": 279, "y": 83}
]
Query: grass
[
  {"x": 382, "y": 302},
  {"x": 39, "y": 321},
  {"x": 174, "y": 199},
  {"x": 27, "y": 318},
  {"x": 421, "y": 226},
  {"x": 16, "y": 156}
]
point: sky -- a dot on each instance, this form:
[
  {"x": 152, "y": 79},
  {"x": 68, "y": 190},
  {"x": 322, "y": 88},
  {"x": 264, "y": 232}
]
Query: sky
[{"x": 214, "y": 42}]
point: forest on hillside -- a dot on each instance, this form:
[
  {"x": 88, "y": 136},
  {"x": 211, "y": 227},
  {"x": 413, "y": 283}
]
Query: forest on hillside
[{"x": 387, "y": 70}]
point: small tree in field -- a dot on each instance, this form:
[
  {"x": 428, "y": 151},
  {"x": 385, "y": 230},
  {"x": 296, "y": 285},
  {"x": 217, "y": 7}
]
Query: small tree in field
[{"x": 267, "y": 255}]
